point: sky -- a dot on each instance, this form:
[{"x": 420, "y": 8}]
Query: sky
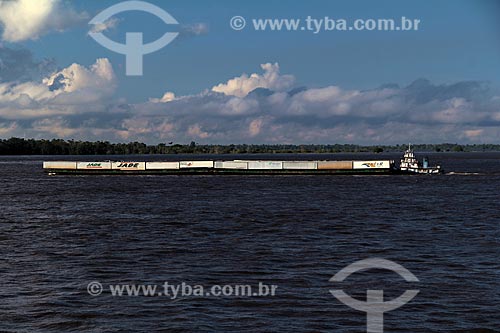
[{"x": 214, "y": 84}]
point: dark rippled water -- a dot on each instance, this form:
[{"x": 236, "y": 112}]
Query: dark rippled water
[{"x": 59, "y": 233}]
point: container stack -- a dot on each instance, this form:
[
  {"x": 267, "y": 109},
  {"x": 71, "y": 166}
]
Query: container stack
[{"x": 223, "y": 167}]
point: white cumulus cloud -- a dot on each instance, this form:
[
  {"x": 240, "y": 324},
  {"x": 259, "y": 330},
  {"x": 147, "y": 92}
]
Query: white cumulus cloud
[
  {"x": 76, "y": 102},
  {"x": 271, "y": 79},
  {"x": 29, "y": 19},
  {"x": 68, "y": 91},
  {"x": 167, "y": 97},
  {"x": 99, "y": 76},
  {"x": 195, "y": 29},
  {"x": 109, "y": 24}
]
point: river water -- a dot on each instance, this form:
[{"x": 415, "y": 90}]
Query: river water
[{"x": 58, "y": 234}]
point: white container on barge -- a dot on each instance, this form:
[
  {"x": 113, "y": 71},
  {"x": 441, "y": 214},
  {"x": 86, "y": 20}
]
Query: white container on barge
[
  {"x": 300, "y": 165},
  {"x": 239, "y": 165},
  {"x": 196, "y": 164},
  {"x": 128, "y": 166},
  {"x": 265, "y": 165},
  {"x": 162, "y": 165},
  {"x": 371, "y": 165},
  {"x": 59, "y": 165},
  {"x": 93, "y": 165}
]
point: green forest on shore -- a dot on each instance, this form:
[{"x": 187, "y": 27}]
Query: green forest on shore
[{"x": 19, "y": 146}]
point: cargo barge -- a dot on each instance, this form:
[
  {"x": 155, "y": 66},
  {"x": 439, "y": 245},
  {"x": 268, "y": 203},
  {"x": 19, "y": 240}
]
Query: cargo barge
[
  {"x": 220, "y": 167},
  {"x": 408, "y": 165}
]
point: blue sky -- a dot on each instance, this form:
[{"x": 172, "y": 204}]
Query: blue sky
[{"x": 357, "y": 86}]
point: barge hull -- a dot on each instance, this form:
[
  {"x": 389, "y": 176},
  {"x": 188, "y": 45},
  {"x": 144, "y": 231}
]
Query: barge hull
[{"x": 201, "y": 171}]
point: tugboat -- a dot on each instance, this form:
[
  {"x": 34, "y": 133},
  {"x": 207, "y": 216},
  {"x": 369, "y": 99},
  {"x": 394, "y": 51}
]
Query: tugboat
[{"x": 409, "y": 164}]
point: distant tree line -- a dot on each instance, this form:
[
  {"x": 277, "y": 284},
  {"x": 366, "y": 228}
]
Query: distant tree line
[{"x": 18, "y": 146}]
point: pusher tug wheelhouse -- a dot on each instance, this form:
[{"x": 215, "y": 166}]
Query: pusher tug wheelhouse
[{"x": 410, "y": 164}]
